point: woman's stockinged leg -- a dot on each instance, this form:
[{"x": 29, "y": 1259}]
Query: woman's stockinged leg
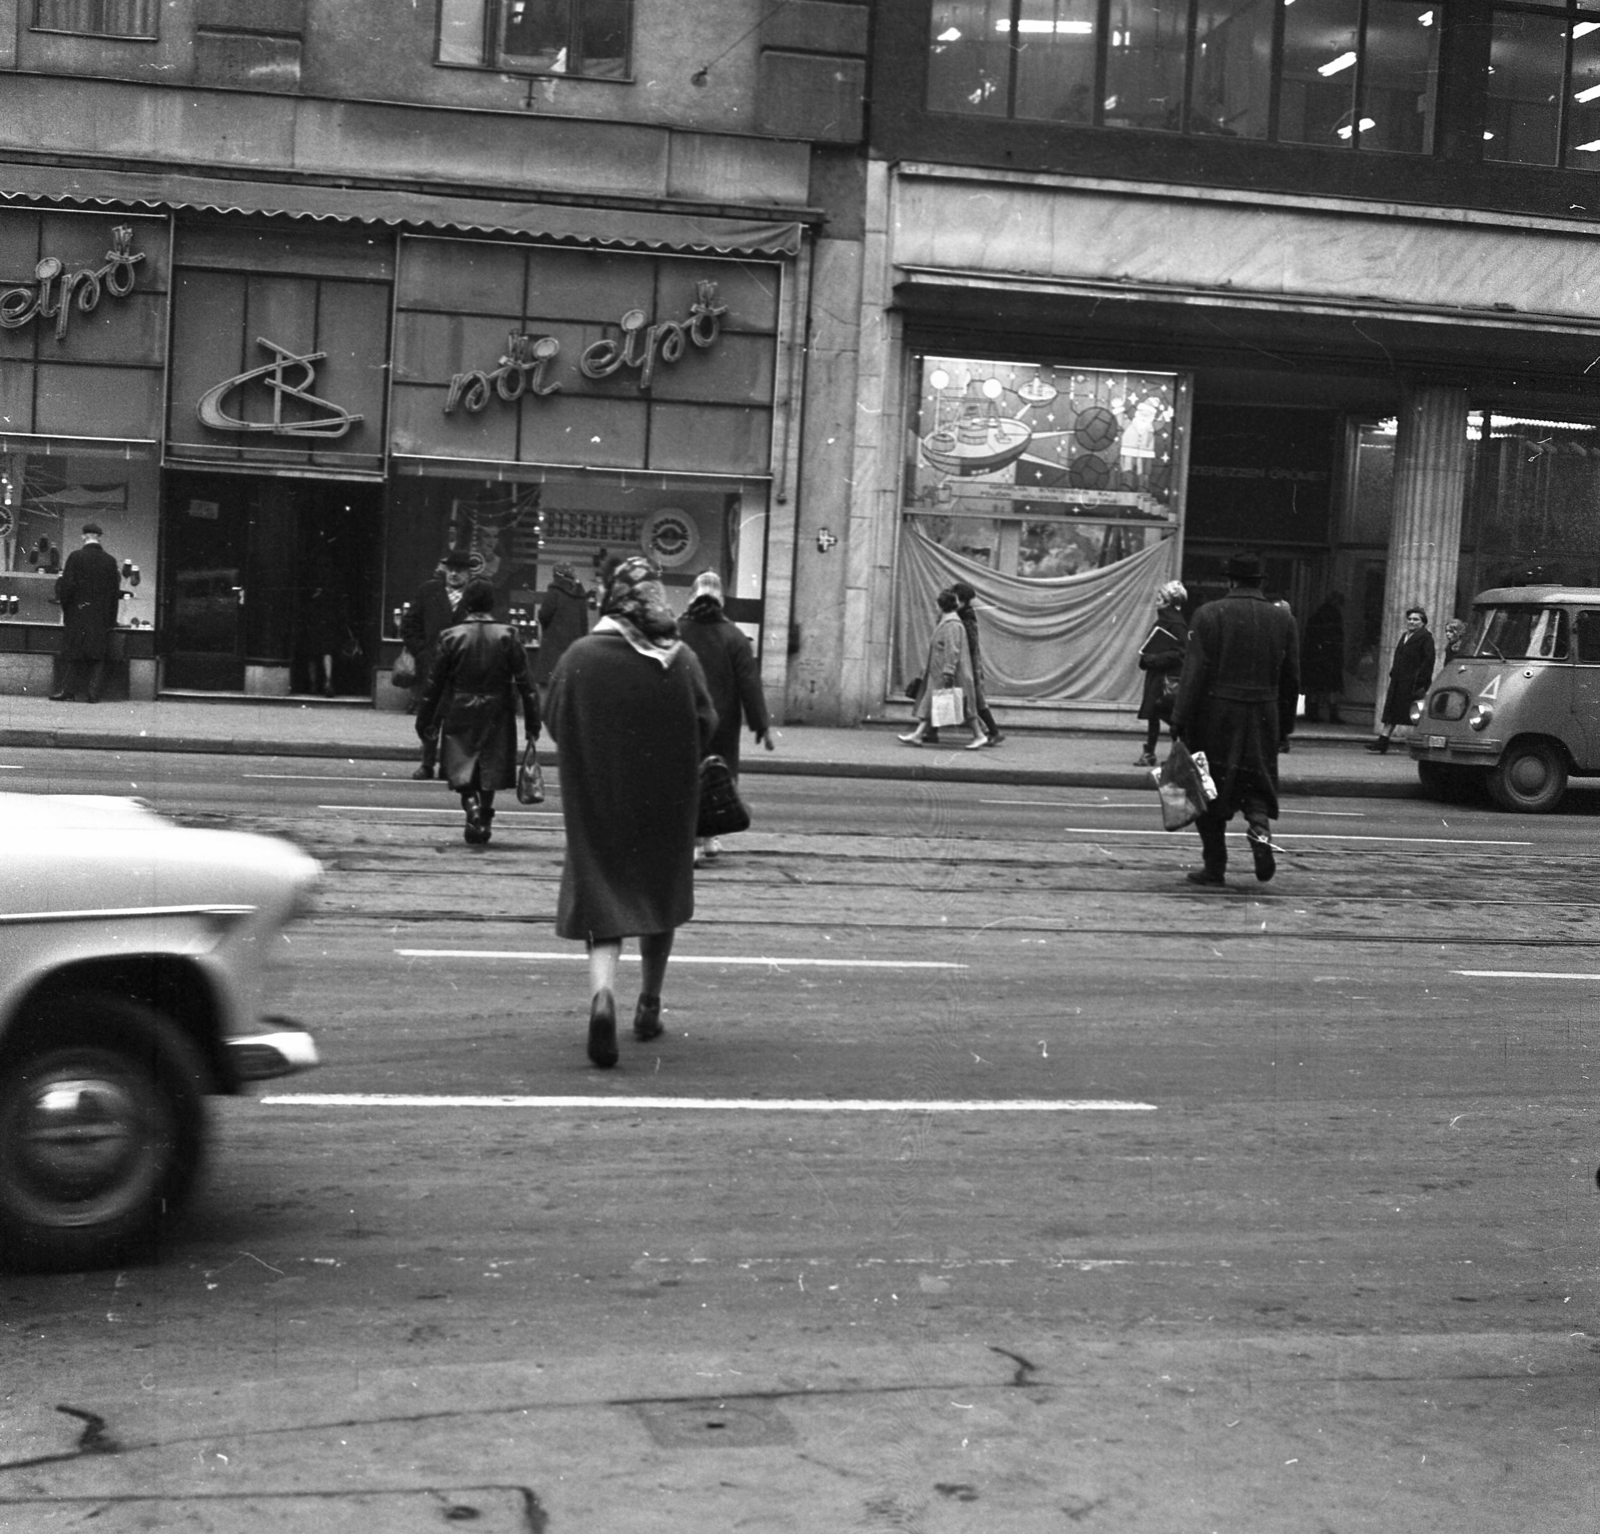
[
  {"x": 655, "y": 948},
  {"x": 603, "y": 956}
]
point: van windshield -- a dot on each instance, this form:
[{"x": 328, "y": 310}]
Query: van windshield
[{"x": 1517, "y": 633}]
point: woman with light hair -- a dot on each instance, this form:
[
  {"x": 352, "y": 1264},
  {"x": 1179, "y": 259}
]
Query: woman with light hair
[{"x": 1161, "y": 660}]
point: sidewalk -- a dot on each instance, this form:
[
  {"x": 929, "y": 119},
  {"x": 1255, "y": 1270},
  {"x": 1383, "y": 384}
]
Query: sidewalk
[{"x": 1325, "y": 760}]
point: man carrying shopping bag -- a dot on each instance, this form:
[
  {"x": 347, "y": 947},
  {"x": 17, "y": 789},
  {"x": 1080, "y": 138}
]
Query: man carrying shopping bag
[{"x": 1236, "y": 702}]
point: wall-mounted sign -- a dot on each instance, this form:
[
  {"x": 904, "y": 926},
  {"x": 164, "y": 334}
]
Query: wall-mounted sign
[
  {"x": 521, "y": 371},
  {"x": 53, "y": 290},
  {"x": 276, "y": 376},
  {"x": 670, "y": 537}
]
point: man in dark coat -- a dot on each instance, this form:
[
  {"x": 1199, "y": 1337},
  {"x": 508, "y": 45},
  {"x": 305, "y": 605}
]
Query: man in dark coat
[
  {"x": 88, "y": 589},
  {"x": 563, "y": 617},
  {"x": 1324, "y": 659},
  {"x": 431, "y": 612},
  {"x": 1236, "y": 702}
]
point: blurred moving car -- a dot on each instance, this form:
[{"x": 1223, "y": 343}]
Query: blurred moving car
[
  {"x": 134, "y": 957},
  {"x": 1516, "y": 709}
]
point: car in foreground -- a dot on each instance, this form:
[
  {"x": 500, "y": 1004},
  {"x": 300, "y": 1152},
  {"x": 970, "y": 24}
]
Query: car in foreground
[
  {"x": 1516, "y": 709},
  {"x": 135, "y": 960}
]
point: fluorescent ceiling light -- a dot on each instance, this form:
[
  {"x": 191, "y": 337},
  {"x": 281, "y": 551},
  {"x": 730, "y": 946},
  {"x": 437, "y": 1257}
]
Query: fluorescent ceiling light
[
  {"x": 1588, "y": 95},
  {"x": 1079, "y": 28},
  {"x": 1487, "y": 136},
  {"x": 1367, "y": 125},
  {"x": 1425, "y": 19},
  {"x": 949, "y": 35},
  {"x": 1588, "y": 148},
  {"x": 1333, "y": 66},
  {"x": 1584, "y": 28}
]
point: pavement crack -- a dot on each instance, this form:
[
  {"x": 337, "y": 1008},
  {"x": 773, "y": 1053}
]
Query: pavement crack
[{"x": 1024, "y": 1368}]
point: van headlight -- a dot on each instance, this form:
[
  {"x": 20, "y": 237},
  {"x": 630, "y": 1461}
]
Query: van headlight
[{"x": 1481, "y": 716}]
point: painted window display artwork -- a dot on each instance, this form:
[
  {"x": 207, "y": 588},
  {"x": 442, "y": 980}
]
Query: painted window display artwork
[{"x": 1041, "y": 470}]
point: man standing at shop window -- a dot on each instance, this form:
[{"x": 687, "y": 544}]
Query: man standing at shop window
[
  {"x": 88, "y": 589},
  {"x": 432, "y": 611},
  {"x": 1236, "y": 702}
]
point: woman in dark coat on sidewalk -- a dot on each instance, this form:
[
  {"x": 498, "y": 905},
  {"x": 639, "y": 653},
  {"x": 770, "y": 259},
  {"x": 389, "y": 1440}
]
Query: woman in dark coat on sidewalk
[
  {"x": 732, "y": 677},
  {"x": 563, "y": 617},
  {"x": 1161, "y": 660},
  {"x": 471, "y": 695},
  {"x": 1409, "y": 676},
  {"x": 632, "y": 718}
]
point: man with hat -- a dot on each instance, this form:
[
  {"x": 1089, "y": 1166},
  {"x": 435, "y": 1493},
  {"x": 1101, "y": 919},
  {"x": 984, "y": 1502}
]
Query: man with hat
[
  {"x": 431, "y": 612},
  {"x": 88, "y": 589},
  {"x": 1236, "y": 702}
]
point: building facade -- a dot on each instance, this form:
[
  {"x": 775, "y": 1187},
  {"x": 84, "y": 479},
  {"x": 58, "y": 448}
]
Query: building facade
[
  {"x": 298, "y": 295},
  {"x": 1137, "y": 285}
]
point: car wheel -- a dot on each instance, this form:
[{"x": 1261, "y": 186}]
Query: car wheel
[
  {"x": 1530, "y": 776},
  {"x": 1449, "y": 783},
  {"x": 102, "y": 1123}
]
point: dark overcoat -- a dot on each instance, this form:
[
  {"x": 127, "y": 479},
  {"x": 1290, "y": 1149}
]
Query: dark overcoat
[
  {"x": 732, "y": 677},
  {"x": 563, "y": 617},
  {"x": 88, "y": 589},
  {"x": 472, "y": 694},
  {"x": 1409, "y": 676},
  {"x": 631, "y": 732},
  {"x": 1236, "y": 699},
  {"x": 969, "y": 625},
  {"x": 429, "y": 615},
  {"x": 1324, "y": 654},
  {"x": 1161, "y": 656}
]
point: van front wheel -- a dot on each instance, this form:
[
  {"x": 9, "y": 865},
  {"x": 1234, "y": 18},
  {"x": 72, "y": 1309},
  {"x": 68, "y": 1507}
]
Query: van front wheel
[{"x": 1531, "y": 776}]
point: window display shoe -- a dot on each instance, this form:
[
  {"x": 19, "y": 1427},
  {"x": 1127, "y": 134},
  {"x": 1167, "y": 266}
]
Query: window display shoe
[{"x": 603, "y": 1030}]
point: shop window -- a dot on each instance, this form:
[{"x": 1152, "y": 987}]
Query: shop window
[
  {"x": 1340, "y": 74},
  {"x": 589, "y": 38},
  {"x": 1543, "y": 91},
  {"x": 97, "y": 18}
]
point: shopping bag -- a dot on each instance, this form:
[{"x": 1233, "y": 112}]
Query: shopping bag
[
  {"x": 1181, "y": 787},
  {"x": 530, "y": 778},
  {"x": 722, "y": 811},
  {"x": 405, "y": 670},
  {"x": 945, "y": 706}
]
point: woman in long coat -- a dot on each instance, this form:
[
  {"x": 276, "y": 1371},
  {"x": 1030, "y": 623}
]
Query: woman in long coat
[
  {"x": 1409, "y": 676},
  {"x": 632, "y": 719},
  {"x": 732, "y": 677},
  {"x": 949, "y": 664},
  {"x": 563, "y": 617},
  {"x": 1161, "y": 660},
  {"x": 472, "y": 692}
]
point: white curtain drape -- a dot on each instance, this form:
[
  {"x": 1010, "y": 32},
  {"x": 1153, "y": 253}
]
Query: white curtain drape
[{"x": 1074, "y": 637}]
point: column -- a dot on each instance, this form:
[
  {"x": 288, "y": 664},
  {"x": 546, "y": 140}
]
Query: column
[{"x": 1430, "y": 486}]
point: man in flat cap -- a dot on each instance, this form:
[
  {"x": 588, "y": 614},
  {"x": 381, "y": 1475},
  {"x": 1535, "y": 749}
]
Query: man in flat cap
[
  {"x": 1236, "y": 702},
  {"x": 88, "y": 589},
  {"x": 432, "y": 611}
]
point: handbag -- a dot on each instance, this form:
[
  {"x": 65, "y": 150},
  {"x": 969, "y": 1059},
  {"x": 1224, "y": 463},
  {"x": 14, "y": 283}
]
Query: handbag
[
  {"x": 405, "y": 670},
  {"x": 722, "y": 811},
  {"x": 946, "y": 706},
  {"x": 914, "y": 688},
  {"x": 1181, "y": 784},
  {"x": 530, "y": 777}
]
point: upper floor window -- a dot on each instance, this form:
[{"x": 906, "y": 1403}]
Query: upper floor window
[
  {"x": 1544, "y": 86},
  {"x": 97, "y": 18},
  {"x": 1356, "y": 74},
  {"x": 554, "y": 37}
]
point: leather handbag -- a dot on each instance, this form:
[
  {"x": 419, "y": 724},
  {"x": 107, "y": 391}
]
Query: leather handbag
[
  {"x": 404, "y": 673},
  {"x": 722, "y": 811},
  {"x": 530, "y": 777}
]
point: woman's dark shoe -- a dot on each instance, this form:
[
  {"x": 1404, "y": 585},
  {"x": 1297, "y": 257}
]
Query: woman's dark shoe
[
  {"x": 1262, "y": 850},
  {"x": 1205, "y": 876},
  {"x": 603, "y": 1030},
  {"x": 477, "y": 831},
  {"x": 1145, "y": 759},
  {"x": 1379, "y": 745},
  {"x": 647, "y": 1019}
]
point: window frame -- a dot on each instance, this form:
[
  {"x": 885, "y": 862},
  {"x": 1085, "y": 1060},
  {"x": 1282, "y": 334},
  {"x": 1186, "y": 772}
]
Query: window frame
[
  {"x": 1571, "y": 14},
  {"x": 48, "y": 30},
  {"x": 493, "y": 57}
]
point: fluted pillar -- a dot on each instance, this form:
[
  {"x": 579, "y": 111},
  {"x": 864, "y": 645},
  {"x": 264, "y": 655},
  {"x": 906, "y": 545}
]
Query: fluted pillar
[{"x": 1430, "y": 486}]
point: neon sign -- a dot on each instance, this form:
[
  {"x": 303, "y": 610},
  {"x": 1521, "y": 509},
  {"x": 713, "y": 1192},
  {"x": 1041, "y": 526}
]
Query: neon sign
[
  {"x": 53, "y": 291},
  {"x": 276, "y": 376}
]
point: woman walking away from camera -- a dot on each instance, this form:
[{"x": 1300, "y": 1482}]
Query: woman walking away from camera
[
  {"x": 732, "y": 677},
  {"x": 949, "y": 664},
  {"x": 1409, "y": 676},
  {"x": 471, "y": 699},
  {"x": 563, "y": 617},
  {"x": 1161, "y": 660},
  {"x": 632, "y": 718}
]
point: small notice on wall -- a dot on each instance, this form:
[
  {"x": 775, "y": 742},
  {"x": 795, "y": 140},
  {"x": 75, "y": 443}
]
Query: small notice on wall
[{"x": 205, "y": 511}]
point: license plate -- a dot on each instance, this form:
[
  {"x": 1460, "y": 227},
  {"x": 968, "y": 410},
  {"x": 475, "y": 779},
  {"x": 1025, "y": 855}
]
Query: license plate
[{"x": 1436, "y": 743}]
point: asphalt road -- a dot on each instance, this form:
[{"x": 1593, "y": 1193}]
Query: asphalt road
[{"x": 988, "y": 1177}]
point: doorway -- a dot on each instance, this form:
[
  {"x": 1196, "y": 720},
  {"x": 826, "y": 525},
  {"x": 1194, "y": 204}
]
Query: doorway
[{"x": 270, "y": 585}]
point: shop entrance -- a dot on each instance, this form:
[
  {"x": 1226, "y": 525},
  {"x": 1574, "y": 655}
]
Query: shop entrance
[{"x": 270, "y": 585}]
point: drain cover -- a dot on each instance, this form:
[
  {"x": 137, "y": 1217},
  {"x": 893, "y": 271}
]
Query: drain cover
[{"x": 715, "y": 1424}]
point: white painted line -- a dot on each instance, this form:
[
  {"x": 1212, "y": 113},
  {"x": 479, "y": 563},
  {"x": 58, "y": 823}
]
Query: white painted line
[
  {"x": 1523, "y": 974},
  {"x": 1143, "y": 804},
  {"x": 337, "y": 777},
  {"x": 442, "y": 809},
  {"x": 7, "y": 767},
  {"x": 767, "y": 962},
  {"x": 702, "y": 1104},
  {"x": 1318, "y": 836}
]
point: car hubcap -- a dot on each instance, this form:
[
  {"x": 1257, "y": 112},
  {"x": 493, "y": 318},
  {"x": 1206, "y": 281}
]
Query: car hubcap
[
  {"x": 81, "y": 1146},
  {"x": 1529, "y": 775}
]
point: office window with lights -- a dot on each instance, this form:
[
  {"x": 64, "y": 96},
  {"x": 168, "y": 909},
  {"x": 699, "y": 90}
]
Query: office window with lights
[
  {"x": 1341, "y": 74},
  {"x": 1543, "y": 105},
  {"x": 583, "y": 38}
]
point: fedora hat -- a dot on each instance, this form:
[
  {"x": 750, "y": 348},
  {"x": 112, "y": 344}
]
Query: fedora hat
[{"x": 1243, "y": 567}]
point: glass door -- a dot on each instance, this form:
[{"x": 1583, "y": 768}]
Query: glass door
[{"x": 206, "y": 527}]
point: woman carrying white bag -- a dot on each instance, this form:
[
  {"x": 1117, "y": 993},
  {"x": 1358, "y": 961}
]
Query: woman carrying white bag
[{"x": 948, "y": 694}]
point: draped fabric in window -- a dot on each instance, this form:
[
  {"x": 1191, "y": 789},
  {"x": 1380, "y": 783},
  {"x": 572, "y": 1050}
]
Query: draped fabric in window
[
  {"x": 1071, "y": 638},
  {"x": 105, "y": 18}
]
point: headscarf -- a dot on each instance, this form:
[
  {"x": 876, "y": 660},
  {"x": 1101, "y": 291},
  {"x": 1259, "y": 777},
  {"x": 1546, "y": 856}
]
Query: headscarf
[
  {"x": 636, "y": 601},
  {"x": 705, "y": 601}
]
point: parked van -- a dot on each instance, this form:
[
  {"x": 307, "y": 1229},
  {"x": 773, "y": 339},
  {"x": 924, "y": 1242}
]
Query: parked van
[{"x": 1517, "y": 707}]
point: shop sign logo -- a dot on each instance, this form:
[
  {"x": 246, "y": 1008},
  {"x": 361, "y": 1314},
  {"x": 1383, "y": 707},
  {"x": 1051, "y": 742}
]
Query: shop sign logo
[
  {"x": 276, "y": 376},
  {"x": 51, "y": 294},
  {"x": 528, "y": 359}
]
